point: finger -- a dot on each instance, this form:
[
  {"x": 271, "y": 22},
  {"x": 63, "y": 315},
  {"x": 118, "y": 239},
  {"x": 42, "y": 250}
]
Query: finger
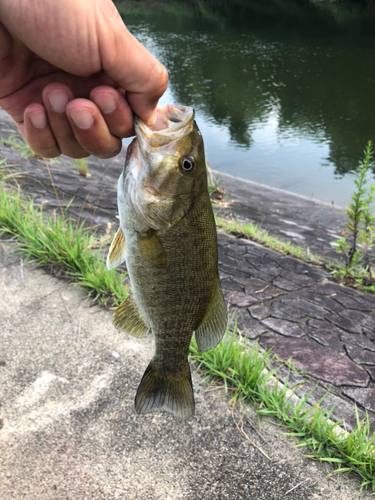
[
  {"x": 56, "y": 97},
  {"x": 134, "y": 69},
  {"x": 115, "y": 110},
  {"x": 38, "y": 133},
  {"x": 91, "y": 130}
]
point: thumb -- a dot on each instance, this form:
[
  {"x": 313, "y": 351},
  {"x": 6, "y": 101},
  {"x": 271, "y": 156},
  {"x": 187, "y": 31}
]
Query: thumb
[{"x": 128, "y": 63}]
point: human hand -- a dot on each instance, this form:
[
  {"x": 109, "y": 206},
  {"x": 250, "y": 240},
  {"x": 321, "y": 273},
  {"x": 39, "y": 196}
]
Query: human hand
[{"x": 71, "y": 75}]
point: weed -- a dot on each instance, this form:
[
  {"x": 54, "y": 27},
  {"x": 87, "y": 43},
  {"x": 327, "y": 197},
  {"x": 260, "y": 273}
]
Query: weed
[
  {"x": 82, "y": 167},
  {"x": 214, "y": 189},
  {"x": 359, "y": 237}
]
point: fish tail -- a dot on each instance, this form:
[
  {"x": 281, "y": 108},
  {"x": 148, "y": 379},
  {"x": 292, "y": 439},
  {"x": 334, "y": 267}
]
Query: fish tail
[{"x": 163, "y": 390}]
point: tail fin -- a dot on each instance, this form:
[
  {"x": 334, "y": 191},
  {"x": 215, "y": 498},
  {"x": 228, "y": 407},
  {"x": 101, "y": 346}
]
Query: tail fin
[{"x": 159, "y": 390}]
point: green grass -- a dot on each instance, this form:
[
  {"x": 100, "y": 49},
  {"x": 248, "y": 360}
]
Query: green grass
[
  {"x": 256, "y": 233},
  {"x": 244, "y": 370},
  {"x": 60, "y": 241},
  {"x": 16, "y": 142}
]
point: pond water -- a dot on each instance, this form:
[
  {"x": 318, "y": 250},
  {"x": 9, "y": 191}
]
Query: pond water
[{"x": 284, "y": 94}]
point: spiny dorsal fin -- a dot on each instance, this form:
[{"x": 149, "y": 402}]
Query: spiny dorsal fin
[
  {"x": 213, "y": 326},
  {"x": 127, "y": 318},
  {"x": 160, "y": 390},
  {"x": 116, "y": 253}
]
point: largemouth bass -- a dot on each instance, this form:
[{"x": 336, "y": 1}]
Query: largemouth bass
[{"x": 167, "y": 237}]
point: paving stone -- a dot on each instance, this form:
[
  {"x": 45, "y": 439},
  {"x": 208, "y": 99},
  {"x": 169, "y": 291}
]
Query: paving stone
[
  {"x": 365, "y": 320},
  {"x": 359, "y": 340},
  {"x": 296, "y": 266},
  {"x": 254, "y": 283},
  {"x": 324, "y": 325},
  {"x": 259, "y": 312},
  {"x": 240, "y": 299},
  {"x": 229, "y": 285},
  {"x": 295, "y": 309},
  {"x": 284, "y": 327},
  {"x": 370, "y": 335},
  {"x": 254, "y": 251},
  {"x": 364, "y": 397},
  {"x": 351, "y": 303},
  {"x": 263, "y": 274},
  {"x": 232, "y": 271},
  {"x": 323, "y": 301},
  {"x": 325, "y": 338},
  {"x": 360, "y": 355},
  {"x": 300, "y": 279},
  {"x": 223, "y": 238},
  {"x": 239, "y": 248},
  {"x": 320, "y": 362},
  {"x": 251, "y": 328},
  {"x": 329, "y": 289},
  {"x": 344, "y": 323},
  {"x": 285, "y": 284},
  {"x": 224, "y": 259},
  {"x": 358, "y": 295},
  {"x": 371, "y": 370}
]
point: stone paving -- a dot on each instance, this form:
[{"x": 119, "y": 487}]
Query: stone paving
[{"x": 327, "y": 330}]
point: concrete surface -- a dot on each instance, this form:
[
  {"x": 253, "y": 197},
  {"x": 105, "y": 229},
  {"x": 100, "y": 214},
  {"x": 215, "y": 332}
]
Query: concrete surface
[{"x": 69, "y": 429}]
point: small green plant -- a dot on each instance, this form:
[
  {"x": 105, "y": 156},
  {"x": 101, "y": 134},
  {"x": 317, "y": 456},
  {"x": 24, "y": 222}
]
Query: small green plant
[
  {"x": 82, "y": 167},
  {"x": 214, "y": 189},
  {"x": 359, "y": 236}
]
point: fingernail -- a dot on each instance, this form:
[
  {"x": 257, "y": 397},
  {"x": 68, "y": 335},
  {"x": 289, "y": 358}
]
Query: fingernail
[
  {"x": 82, "y": 118},
  {"x": 105, "y": 102},
  {"x": 58, "y": 100},
  {"x": 38, "y": 119}
]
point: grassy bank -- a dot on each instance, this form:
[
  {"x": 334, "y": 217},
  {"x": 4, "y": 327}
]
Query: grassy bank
[
  {"x": 259, "y": 235},
  {"x": 59, "y": 241}
]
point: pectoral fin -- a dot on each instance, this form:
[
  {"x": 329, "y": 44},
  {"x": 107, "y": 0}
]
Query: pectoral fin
[
  {"x": 116, "y": 254},
  {"x": 213, "y": 326},
  {"x": 151, "y": 249},
  {"x": 128, "y": 319}
]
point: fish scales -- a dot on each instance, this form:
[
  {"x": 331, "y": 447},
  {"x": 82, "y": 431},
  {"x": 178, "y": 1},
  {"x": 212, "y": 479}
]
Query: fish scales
[{"x": 167, "y": 236}]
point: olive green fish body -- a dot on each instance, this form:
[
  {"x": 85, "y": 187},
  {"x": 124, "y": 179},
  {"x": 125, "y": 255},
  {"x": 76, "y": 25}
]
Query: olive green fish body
[{"x": 171, "y": 257}]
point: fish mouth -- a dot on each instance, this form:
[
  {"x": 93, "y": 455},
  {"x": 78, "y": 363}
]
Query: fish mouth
[{"x": 172, "y": 123}]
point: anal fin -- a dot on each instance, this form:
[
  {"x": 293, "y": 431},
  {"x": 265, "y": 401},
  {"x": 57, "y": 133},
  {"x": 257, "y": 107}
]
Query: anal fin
[
  {"x": 116, "y": 253},
  {"x": 128, "y": 319},
  {"x": 160, "y": 390},
  {"x": 213, "y": 326}
]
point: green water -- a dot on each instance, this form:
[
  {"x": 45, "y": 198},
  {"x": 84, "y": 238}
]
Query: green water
[{"x": 284, "y": 93}]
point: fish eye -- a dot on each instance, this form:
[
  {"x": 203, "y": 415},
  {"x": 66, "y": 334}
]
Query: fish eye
[{"x": 187, "y": 164}]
